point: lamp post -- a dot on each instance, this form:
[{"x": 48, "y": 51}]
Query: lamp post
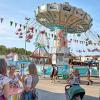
[{"x": 27, "y": 19}]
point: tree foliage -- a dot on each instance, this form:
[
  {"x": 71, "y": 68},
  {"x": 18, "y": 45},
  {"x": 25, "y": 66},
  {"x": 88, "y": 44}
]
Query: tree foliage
[{"x": 4, "y": 50}]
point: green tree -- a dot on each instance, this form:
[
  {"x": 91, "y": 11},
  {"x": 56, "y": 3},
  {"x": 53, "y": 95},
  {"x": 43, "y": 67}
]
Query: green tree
[{"x": 4, "y": 50}]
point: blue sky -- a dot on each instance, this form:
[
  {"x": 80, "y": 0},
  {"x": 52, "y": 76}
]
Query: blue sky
[{"x": 17, "y": 10}]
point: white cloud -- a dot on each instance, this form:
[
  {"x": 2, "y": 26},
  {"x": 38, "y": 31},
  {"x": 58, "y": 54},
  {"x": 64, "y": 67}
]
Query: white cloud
[{"x": 6, "y": 30}]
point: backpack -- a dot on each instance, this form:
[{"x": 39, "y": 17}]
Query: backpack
[{"x": 30, "y": 95}]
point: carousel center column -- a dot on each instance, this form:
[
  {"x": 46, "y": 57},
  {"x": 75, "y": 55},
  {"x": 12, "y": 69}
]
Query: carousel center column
[{"x": 60, "y": 50}]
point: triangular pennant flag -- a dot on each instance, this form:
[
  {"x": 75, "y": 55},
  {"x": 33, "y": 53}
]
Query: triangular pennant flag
[
  {"x": 28, "y": 40},
  {"x": 21, "y": 33},
  {"x": 46, "y": 33},
  {"x": 11, "y": 23},
  {"x": 78, "y": 35},
  {"x": 98, "y": 35},
  {"x": 2, "y": 19},
  {"x": 15, "y": 24},
  {"x": 36, "y": 30},
  {"x": 17, "y": 33},
  {"x": 24, "y": 27},
  {"x": 19, "y": 29},
  {"x": 20, "y": 36},
  {"x": 52, "y": 35},
  {"x": 48, "y": 46},
  {"x": 20, "y": 25},
  {"x": 27, "y": 31},
  {"x": 55, "y": 37},
  {"x": 94, "y": 43},
  {"x": 26, "y": 18}
]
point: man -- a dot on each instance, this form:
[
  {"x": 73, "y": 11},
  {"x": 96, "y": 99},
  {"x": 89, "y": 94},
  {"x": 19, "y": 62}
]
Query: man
[
  {"x": 89, "y": 75},
  {"x": 44, "y": 71}
]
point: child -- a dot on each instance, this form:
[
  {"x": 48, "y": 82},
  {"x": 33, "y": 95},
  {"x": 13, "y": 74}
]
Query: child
[{"x": 74, "y": 78}]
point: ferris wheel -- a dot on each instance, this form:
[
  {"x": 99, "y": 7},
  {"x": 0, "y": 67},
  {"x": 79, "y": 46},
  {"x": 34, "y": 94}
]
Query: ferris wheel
[{"x": 42, "y": 40}]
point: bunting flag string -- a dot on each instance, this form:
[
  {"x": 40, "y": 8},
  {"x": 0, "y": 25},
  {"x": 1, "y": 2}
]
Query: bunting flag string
[
  {"x": 86, "y": 42},
  {"x": 11, "y": 23},
  {"x": 24, "y": 27},
  {"x": 31, "y": 30},
  {"x": 98, "y": 35},
  {"x": 14, "y": 23},
  {"x": 26, "y": 31},
  {"x": 89, "y": 50},
  {"x": 20, "y": 25}
]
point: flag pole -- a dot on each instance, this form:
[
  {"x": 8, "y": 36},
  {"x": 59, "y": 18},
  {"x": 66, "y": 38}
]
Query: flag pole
[{"x": 27, "y": 19}]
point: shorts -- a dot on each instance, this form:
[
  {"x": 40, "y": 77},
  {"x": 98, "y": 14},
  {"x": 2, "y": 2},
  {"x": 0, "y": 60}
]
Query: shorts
[{"x": 2, "y": 97}]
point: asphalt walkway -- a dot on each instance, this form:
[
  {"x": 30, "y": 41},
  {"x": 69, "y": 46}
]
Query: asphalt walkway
[{"x": 47, "y": 90}]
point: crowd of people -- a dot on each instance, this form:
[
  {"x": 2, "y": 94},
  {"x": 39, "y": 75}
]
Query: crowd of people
[{"x": 9, "y": 80}]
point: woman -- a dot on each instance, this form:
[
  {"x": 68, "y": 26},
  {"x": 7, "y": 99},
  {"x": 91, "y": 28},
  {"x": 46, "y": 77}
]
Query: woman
[
  {"x": 54, "y": 74},
  {"x": 73, "y": 89},
  {"x": 14, "y": 83},
  {"x": 30, "y": 83},
  {"x": 74, "y": 78},
  {"x": 44, "y": 72},
  {"x": 4, "y": 80}
]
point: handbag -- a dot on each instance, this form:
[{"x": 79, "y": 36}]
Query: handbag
[
  {"x": 30, "y": 95},
  {"x": 34, "y": 96}
]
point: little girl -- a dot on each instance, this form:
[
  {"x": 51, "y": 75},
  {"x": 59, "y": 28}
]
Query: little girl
[{"x": 74, "y": 78}]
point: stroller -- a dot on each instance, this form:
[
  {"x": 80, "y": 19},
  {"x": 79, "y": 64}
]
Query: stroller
[{"x": 74, "y": 92}]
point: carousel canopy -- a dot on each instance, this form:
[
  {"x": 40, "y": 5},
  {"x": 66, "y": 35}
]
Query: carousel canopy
[{"x": 63, "y": 16}]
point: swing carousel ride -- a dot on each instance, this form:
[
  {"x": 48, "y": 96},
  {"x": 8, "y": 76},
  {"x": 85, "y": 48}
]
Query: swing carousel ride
[
  {"x": 50, "y": 29},
  {"x": 62, "y": 19}
]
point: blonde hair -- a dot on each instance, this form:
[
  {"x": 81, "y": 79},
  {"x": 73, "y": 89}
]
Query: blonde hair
[{"x": 32, "y": 69}]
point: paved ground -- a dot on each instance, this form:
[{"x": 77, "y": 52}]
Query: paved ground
[{"x": 48, "y": 90}]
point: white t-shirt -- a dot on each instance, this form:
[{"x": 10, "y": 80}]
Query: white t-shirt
[
  {"x": 31, "y": 79},
  {"x": 75, "y": 80},
  {"x": 3, "y": 80},
  {"x": 28, "y": 81}
]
